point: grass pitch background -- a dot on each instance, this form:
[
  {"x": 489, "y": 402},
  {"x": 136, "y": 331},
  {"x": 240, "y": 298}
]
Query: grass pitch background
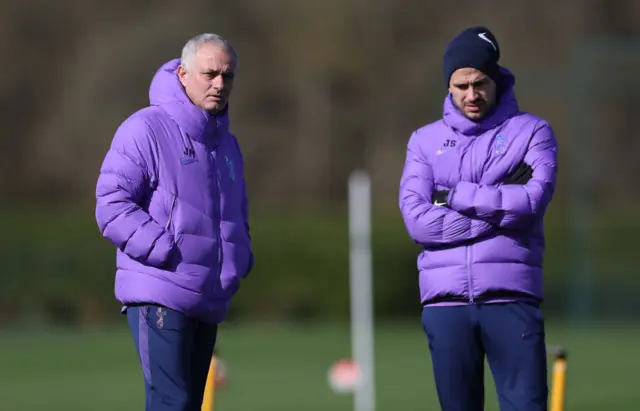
[{"x": 280, "y": 368}]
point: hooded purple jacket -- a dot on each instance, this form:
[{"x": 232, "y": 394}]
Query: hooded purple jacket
[
  {"x": 488, "y": 246},
  {"x": 171, "y": 196}
]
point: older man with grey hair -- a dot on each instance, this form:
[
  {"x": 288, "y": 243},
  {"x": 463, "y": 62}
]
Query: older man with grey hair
[{"x": 171, "y": 197}]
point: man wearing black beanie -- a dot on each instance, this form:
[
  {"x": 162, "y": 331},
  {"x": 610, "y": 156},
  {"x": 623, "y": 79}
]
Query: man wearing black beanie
[
  {"x": 473, "y": 194},
  {"x": 472, "y": 72}
]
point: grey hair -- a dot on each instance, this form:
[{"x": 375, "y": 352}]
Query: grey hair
[{"x": 193, "y": 45}]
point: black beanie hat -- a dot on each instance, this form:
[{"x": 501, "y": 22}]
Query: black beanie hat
[{"x": 475, "y": 47}]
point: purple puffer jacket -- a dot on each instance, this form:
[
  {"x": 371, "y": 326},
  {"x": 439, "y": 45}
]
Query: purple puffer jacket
[
  {"x": 488, "y": 246},
  {"x": 171, "y": 196}
]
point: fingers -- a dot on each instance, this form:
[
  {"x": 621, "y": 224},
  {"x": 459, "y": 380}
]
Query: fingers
[
  {"x": 526, "y": 176},
  {"x": 518, "y": 173},
  {"x": 521, "y": 175}
]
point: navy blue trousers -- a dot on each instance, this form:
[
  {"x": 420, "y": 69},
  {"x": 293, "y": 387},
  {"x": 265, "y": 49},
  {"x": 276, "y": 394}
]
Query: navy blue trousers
[
  {"x": 510, "y": 335},
  {"x": 175, "y": 354}
]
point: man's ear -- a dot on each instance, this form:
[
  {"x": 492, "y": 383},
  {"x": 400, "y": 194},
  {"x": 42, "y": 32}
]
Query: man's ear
[{"x": 182, "y": 74}]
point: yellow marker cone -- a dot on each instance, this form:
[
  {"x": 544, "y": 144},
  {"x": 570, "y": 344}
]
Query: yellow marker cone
[
  {"x": 209, "y": 401},
  {"x": 559, "y": 386}
]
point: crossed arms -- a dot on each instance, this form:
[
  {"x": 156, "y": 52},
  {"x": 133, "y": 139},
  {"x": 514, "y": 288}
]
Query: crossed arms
[{"x": 475, "y": 210}]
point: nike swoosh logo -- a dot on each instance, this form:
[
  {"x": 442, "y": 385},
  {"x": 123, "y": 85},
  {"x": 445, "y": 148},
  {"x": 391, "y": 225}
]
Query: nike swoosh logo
[
  {"x": 438, "y": 203},
  {"x": 484, "y": 37},
  {"x": 186, "y": 160}
]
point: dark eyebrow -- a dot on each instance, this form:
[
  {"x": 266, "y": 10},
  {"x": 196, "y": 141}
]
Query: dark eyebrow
[{"x": 476, "y": 83}]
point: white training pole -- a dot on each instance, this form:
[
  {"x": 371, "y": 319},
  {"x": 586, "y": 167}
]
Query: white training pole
[{"x": 360, "y": 283}]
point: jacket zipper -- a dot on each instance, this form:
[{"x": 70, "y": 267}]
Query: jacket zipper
[
  {"x": 468, "y": 248},
  {"x": 170, "y": 219},
  {"x": 218, "y": 211},
  {"x": 470, "y": 274}
]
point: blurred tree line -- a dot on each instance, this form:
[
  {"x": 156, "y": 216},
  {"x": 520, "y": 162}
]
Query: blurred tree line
[{"x": 323, "y": 87}]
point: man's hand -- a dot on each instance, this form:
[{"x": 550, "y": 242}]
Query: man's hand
[
  {"x": 521, "y": 175},
  {"x": 440, "y": 198}
]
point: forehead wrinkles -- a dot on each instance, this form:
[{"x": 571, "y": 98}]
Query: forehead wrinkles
[
  {"x": 468, "y": 76},
  {"x": 217, "y": 58}
]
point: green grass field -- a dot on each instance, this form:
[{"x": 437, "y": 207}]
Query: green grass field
[{"x": 281, "y": 368}]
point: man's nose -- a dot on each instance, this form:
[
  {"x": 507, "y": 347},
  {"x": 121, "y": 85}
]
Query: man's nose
[
  {"x": 218, "y": 82},
  {"x": 472, "y": 93}
]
